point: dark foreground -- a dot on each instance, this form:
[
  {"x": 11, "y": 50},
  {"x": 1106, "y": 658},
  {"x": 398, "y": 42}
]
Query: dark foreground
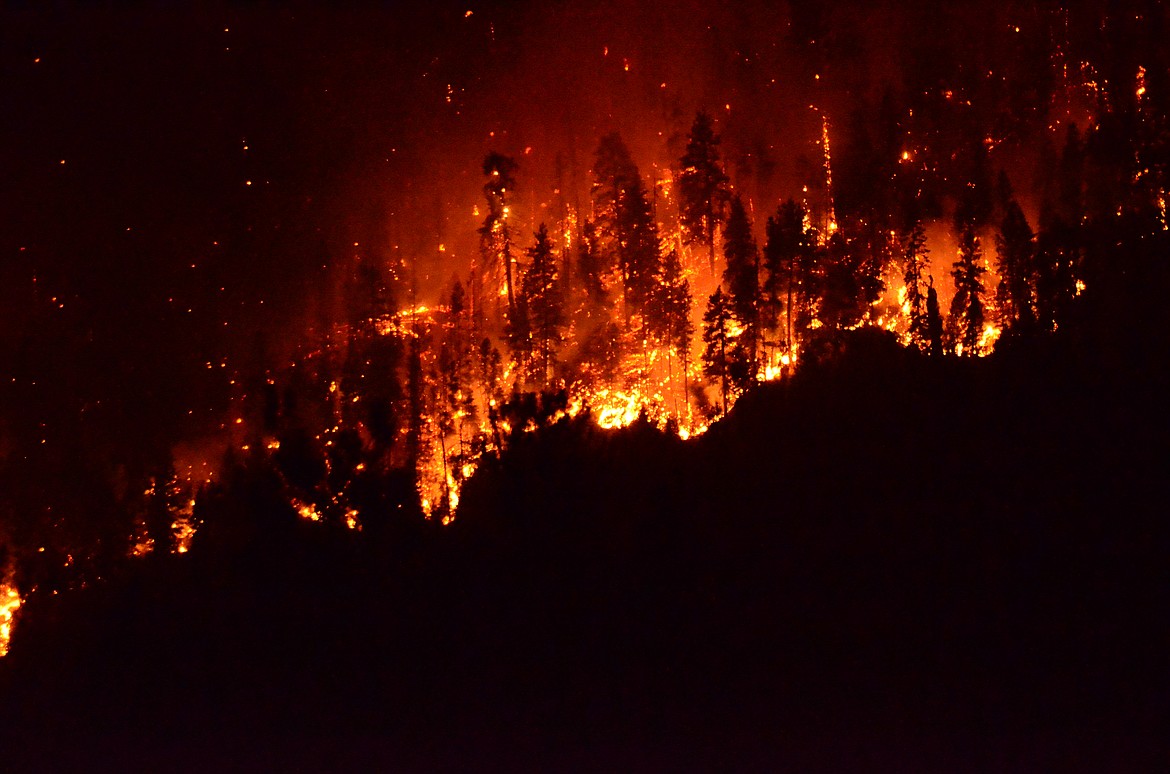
[{"x": 889, "y": 563}]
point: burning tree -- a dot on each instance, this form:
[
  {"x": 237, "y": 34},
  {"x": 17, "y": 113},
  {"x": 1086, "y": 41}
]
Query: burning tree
[
  {"x": 625, "y": 227},
  {"x": 544, "y": 303},
  {"x": 518, "y": 333},
  {"x": 458, "y": 371},
  {"x": 916, "y": 260},
  {"x": 593, "y": 299},
  {"x": 790, "y": 255},
  {"x": 966, "y": 317},
  {"x": 164, "y": 498},
  {"x": 742, "y": 278},
  {"x": 720, "y": 352},
  {"x": 676, "y": 328},
  {"x": 846, "y": 290},
  {"x": 703, "y": 187},
  {"x": 934, "y": 322},
  {"x": 494, "y": 235}
]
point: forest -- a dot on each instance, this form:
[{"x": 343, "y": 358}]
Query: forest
[{"x": 796, "y": 401}]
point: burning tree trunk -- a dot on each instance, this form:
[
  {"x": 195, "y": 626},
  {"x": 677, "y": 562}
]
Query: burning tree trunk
[{"x": 495, "y": 234}]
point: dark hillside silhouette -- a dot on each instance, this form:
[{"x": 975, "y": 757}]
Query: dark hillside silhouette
[{"x": 891, "y": 558}]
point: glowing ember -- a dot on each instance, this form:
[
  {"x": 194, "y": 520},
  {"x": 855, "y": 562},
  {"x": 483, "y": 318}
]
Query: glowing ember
[
  {"x": 831, "y": 226},
  {"x": 10, "y": 602},
  {"x": 306, "y": 511},
  {"x": 141, "y": 543}
]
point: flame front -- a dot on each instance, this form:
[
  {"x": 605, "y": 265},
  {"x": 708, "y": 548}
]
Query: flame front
[{"x": 10, "y": 603}]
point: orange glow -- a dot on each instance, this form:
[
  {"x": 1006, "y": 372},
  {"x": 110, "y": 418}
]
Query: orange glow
[
  {"x": 10, "y": 603},
  {"x": 306, "y": 511}
]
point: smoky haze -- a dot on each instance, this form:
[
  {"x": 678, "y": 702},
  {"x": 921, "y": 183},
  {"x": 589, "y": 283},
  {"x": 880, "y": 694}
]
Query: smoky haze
[{"x": 188, "y": 188}]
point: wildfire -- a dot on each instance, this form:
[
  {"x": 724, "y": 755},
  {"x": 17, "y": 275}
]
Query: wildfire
[
  {"x": 776, "y": 366},
  {"x": 614, "y": 408},
  {"x": 306, "y": 511},
  {"x": 141, "y": 543},
  {"x": 832, "y": 215},
  {"x": 493, "y": 357},
  {"x": 183, "y": 529},
  {"x": 988, "y": 338},
  {"x": 10, "y": 603}
]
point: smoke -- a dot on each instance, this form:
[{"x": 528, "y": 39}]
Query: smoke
[{"x": 226, "y": 168}]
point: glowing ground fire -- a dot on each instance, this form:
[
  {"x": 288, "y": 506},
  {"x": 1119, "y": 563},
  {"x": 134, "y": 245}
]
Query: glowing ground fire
[{"x": 10, "y": 602}]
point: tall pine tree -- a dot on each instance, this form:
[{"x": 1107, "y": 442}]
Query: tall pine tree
[
  {"x": 742, "y": 278},
  {"x": 495, "y": 236},
  {"x": 915, "y": 261},
  {"x": 967, "y": 310},
  {"x": 790, "y": 265},
  {"x": 934, "y": 322},
  {"x": 675, "y": 299},
  {"x": 703, "y": 187},
  {"x": 1016, "y": 249},
  {"x": 625, "y": 226},
  {"x": 719, "y": 351},
  {"x": 544, "y": 301}
]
